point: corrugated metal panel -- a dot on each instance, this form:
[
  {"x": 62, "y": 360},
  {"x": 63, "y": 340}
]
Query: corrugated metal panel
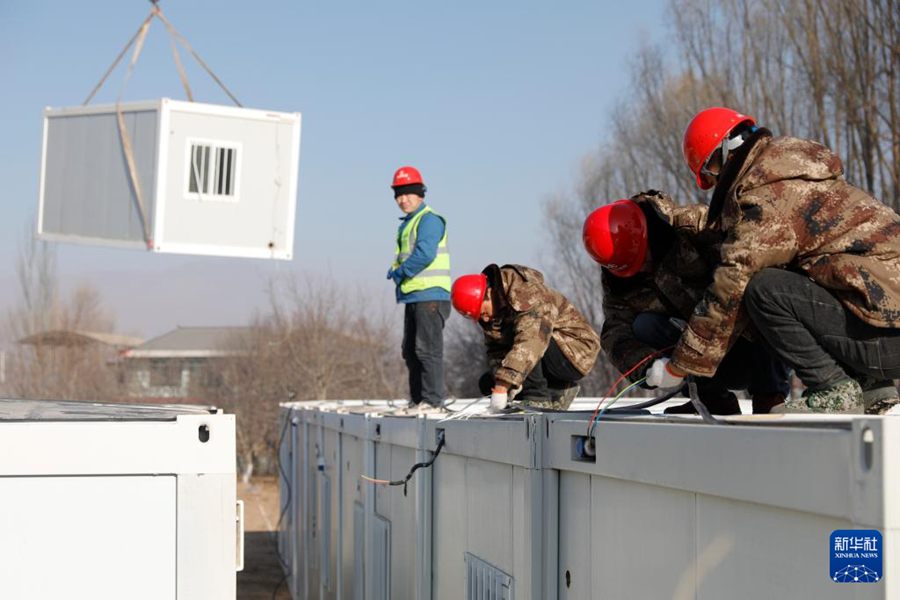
[
  {"x": 359, "y": 551},
  {"x": 381, "y": 570},
  {"x": 571, "y": 529},
  {"x": 485, "y": 581},
  {"x": 87, "y": 192}
]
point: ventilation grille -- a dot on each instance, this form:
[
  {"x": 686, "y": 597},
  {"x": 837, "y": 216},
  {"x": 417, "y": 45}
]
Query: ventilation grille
[
  {"x": 486, "y": 582},
  {"x": 212, "y": 170}
]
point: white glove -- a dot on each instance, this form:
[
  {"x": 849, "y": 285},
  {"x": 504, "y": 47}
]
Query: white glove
[
  {"x": 659, "y": 375},
  {"x": 498, "y": 401}
]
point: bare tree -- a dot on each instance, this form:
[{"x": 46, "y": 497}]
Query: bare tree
[
  {"x": 316, "y": 342},
  {"x": 70, "y": 367},
  {"x": 822, "y": 69}
]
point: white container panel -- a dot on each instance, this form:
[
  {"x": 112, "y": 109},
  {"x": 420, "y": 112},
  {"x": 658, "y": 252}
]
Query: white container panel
[
  {"x": 450, "y": 525},
  {"x": 254, "y": 218},
  {"x": 732, "y": 535},
  {"x": 637, "y": 530},
  {"x": 102, "y": 538}
]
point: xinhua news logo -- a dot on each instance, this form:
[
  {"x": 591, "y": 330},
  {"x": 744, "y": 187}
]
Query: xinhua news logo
[{"x": 856, "y": 556}]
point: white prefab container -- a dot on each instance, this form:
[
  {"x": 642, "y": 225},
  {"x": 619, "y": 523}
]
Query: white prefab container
[
  {"x": 512, "y": 509},
  {"x": 215, "y": 180},
  {"x": 115, "y": 501}
]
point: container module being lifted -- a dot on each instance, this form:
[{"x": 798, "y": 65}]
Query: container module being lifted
[{"x": 200, "y": 178}]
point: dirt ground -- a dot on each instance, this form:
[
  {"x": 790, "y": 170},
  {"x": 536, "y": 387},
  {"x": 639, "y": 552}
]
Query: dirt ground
[{"x": 262, "y": 572}]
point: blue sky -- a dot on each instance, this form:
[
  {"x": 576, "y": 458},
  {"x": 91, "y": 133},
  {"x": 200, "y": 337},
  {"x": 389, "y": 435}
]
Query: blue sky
[{"x": 497, "y": 103}]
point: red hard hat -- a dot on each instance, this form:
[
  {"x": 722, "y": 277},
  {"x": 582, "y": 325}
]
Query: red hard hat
[
  {"x": 704, "y": 134},
  {"x": 615, "y": 236},
  {"x": 467, "y": 294},
  {"x": 406, "y": 176}
]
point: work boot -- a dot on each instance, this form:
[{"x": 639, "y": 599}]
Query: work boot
[
  {"x": 720, "y": 403},
  {"x": 564, "y": 396},
  {"x": 878, "y": 395},
  {"x": 845, "y": 396},
  {"x": 764, "y": 404},
  {"x": 419, "y": 408},
  {"x": 540, "y": 402}
]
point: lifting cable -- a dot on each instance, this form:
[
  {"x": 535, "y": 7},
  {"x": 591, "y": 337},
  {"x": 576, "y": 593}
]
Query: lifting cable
[
  {"x": 137, "y": 41},
  {"x": 412, "y": 470}
]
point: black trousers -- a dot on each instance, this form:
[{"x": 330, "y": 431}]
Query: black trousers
[
  {"x": 747, "y": 366},
  {"x": 812, "y": 331},
  {"x": 423, "y": 350},
  {"x": 553, "y": 371}
]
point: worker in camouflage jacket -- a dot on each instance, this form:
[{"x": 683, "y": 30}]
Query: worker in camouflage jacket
[
  {"x": 813, "y": 261},
  {"x": 538, "y": 344},
  {"x": 657, "y": 260}
]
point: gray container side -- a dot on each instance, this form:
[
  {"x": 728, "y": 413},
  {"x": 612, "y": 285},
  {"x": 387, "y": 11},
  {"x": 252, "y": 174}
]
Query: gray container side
[{"x": 87, "y": 190}]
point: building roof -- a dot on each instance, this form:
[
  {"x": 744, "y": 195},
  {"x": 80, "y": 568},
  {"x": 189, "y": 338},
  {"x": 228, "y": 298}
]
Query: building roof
[
  {"x": 191, "y": 342},
  {"x": 73, "y": 337}
]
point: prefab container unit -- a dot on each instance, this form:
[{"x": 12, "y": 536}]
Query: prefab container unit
[
  {"x": 669, "y": 507},
  {"x": 115, "y": 501},
  {"x": 215, "y": 180}
]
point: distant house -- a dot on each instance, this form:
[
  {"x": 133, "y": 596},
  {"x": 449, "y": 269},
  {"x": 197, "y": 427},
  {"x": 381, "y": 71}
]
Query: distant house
[
  {"x": 74, "y": 364},
  {"x": 179, "y": 365}
]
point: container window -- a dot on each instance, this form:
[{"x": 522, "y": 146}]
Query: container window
[{"x": 212, "y": 170}]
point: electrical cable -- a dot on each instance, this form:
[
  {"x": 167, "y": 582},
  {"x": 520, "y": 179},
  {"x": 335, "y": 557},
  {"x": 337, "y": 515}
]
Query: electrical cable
[
  {"x": 648, "y": 403},
  {"x": 596, "y": 418},
  {"x": 284, "y": 566},
  {"x": 634, "y": 368},
  {"x": 415, "y": 467}
]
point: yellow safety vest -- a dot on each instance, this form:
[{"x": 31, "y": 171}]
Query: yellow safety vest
[{"x": 437, "y": 273}]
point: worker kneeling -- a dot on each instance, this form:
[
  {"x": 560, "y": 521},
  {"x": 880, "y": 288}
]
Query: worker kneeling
[
  {"x": 538, "y": 344},
  {"x": 656, "y": 263},
  {"x": 813, "y": 260}
]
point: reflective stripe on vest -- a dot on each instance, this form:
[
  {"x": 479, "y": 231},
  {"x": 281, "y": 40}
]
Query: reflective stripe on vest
[{"x": 437, "y": 273}]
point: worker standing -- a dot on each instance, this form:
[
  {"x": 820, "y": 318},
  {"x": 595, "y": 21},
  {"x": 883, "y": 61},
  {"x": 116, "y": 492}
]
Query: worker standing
[
  {"x": 657, "y": 261},
  {"x": 538, "y": 344},
  {"x": 421, "y": 273},
  {"x": 813, "y": 261}
]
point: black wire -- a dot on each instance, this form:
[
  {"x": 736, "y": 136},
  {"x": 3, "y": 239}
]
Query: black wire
[
  {"x": 278, "y": 587},
  {"x": 646, "y": 403},
  {"x": 420, "y": 465},
  {"x": 284, "y": 566}
]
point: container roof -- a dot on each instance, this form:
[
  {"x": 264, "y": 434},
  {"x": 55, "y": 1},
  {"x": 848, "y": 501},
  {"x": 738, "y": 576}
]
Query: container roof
[{"x": 59, "y": 410}]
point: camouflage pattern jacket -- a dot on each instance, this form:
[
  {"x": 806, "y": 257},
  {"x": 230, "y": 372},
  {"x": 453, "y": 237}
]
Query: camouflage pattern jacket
[
  {"x": 528, "y": 316},
  {"x": 681, "y": 272},
  {"x": 783, "y": 202}
]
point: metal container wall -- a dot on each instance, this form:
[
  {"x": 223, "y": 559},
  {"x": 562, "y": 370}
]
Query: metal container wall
[
  {"x": 110, "y": 501},
  {"x": 667, "y": 509}
]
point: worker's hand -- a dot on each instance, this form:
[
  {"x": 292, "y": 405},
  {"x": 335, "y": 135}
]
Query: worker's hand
[
  {"x": 660, "y": 375},
  {"x": 393, "y": 274},
  {"x": 498, "y": 400}
]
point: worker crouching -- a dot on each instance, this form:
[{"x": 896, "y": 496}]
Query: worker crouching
[
  {"x": 538, "y": 344},
  {"x": 813, "y": 261},
  {"x": 657, "y": 260}
]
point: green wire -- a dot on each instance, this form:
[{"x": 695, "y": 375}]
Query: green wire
[{"x": 614, "y": 400}]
